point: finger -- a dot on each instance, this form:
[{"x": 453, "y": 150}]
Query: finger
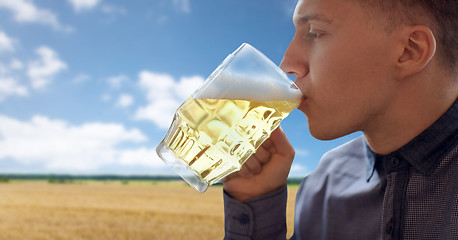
[
  {"x": 263, "y": 155},
  {"x": 281, "y": 143},
  {"x": 245, "y": 172},
  {"x": 280, "y": 163},
  {"x": 268, "y": 145},
  {"x": 253, "y": 165},
  {"x": 231, "y": 176}
]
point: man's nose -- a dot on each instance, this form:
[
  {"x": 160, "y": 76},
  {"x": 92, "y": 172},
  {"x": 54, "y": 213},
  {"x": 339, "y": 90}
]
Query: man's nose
[{"x": 294, "y": 60}]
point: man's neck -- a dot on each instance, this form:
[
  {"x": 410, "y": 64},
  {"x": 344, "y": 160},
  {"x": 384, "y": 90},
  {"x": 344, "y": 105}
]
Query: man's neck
[{"x": 416, "y": 108}]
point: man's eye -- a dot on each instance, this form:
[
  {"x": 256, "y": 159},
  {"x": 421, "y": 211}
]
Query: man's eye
[{"x": 312, "y": 35}]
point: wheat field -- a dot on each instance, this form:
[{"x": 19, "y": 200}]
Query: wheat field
[{"x": 113, "y": 210}]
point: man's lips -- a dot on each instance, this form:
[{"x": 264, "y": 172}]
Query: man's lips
[{"x": 302, "y": 103}]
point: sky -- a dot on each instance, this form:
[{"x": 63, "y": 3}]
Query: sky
[{"x": 91, "y": 86}]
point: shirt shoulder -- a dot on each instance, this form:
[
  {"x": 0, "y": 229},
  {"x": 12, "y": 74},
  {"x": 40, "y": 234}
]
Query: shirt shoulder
[
  {"x": 339, "y": 168},
  {"x": 349, "y": 159},
  {"x": 328, "y": 202}
]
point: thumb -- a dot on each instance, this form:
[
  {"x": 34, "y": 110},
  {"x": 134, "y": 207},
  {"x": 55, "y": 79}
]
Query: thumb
[{"x": 283, "y": 156}]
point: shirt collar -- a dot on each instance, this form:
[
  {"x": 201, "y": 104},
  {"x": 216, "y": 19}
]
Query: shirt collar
[
  {"x": 371, "y": 160},
  {"x": 425, "y": 151}
]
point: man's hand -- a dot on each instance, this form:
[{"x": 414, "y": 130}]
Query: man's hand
[{"x": 265, "y": 171}]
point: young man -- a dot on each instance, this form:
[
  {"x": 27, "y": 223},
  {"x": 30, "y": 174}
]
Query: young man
[{"x": 387, "y": 68}]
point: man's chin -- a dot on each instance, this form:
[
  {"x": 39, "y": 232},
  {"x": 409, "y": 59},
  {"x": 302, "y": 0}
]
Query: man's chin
[{"x": 325, "y": 133}]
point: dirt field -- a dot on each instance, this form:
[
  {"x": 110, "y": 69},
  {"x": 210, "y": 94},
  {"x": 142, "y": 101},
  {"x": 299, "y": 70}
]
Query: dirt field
[{"x": 112, "y": 210}]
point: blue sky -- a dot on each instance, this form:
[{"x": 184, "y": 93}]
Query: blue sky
[{"x": 80, "y": 80}]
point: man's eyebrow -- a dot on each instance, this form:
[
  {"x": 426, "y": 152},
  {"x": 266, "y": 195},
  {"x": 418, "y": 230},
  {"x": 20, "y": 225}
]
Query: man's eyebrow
[{"x": 303, "y": 19}]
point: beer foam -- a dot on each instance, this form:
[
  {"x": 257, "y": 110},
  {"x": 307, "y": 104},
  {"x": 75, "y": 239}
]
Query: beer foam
[{"x": 259, "y": 88}]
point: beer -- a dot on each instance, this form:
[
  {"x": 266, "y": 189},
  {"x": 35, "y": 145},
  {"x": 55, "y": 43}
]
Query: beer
[{"x": 214, "y": 137}]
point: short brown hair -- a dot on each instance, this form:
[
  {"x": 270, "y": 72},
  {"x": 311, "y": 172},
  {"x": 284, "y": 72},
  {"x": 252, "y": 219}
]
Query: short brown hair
[{"x": 441, "y": 16}]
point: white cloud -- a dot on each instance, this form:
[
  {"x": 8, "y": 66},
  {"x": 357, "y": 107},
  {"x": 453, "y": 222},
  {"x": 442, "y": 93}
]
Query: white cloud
[
  {"x": 125, "y": 100},
  {"x": 80, "y": 78},
  {"x": 16, "y": 64},
  {"x": 6, "y": 70},
  {"x": 113, "y": 10},
  {"x": 10, "y": 86},
  {"x": 141, "y": 156},
  {"x": 106, "y": 97},
  {"x": 158, "y": 86},
  {"x": 299, "y": 170},
  {"x": 42, "y": 71},
  {"x": 6, "y": 43},
  {"x": 117, "y": 81},
  {"x": 302, "y": 152},
  {"x": 164, "y": 95},
  {"x": 182, "y": 5},
  {"x": 83, "y": 5},
  {"x": 187, "y": 85},
  {"x": 9, "y": 83},
  {"x": 58, "y": 145},
  {"x": 159, "y": 112},
  {"x": 26, "y": 11}
]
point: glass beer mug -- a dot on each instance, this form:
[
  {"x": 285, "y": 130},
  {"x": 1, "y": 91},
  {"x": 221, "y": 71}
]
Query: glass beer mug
[{"x": 224, "y": 121}]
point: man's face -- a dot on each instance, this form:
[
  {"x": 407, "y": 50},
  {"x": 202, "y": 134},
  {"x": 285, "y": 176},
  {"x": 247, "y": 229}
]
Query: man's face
[{"x": 342, "y": 65}]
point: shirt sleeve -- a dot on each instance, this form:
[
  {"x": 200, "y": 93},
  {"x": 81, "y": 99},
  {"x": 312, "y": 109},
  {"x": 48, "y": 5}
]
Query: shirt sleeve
[{"x": 259, "y": 218}]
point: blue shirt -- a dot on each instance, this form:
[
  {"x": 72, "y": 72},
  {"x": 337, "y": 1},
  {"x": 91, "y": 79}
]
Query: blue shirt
[{"x": 354, "y": 193}]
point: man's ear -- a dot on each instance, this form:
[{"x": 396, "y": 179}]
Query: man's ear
[{"x": 418, "y": 48}]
